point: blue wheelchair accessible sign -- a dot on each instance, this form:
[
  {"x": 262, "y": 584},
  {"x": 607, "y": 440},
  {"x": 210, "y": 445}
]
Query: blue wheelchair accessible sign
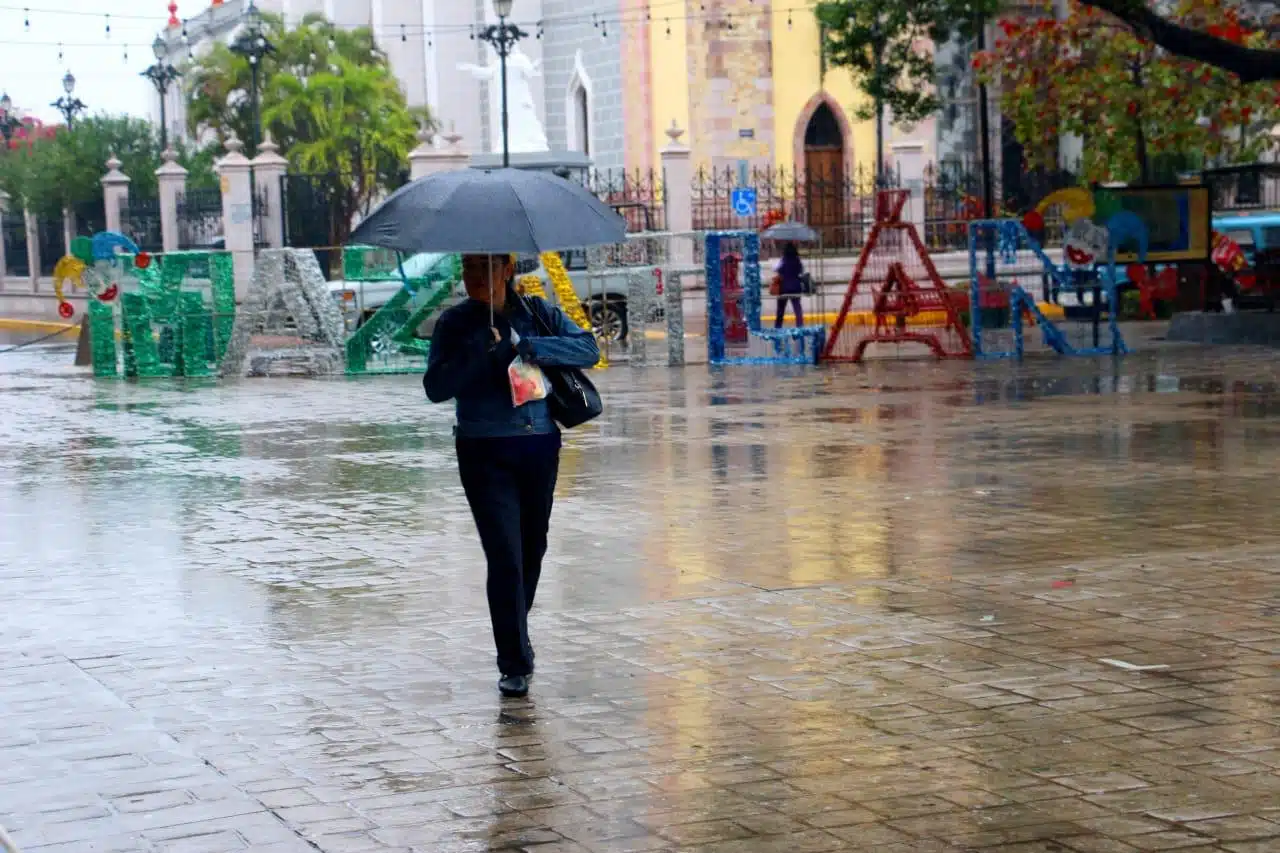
[{"x": 743, "y": 200}]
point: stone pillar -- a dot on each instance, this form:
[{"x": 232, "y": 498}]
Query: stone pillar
[
  {"x": 4, "y": 261},
  {"x": 68, "y": 229},
  {"x": 677, "y": 191},
  {"x": 269, "y": 169},
  {"x": 115, "y": 193},
  {"x": 427, "y": 159},
  {"x": 33, "y": 248},
  {"x": 172, "y": 180},
  {"x": 237, "y": 213}
]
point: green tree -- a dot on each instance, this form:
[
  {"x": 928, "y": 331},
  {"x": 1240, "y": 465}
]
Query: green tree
[
  {"x": 1136, "y": 106},
  {"x": 328, "y": 98},
  {"x": 1172, "y": 31},
  {"x": 63, "y": 170},
  {"x": 887, "y": 45}
]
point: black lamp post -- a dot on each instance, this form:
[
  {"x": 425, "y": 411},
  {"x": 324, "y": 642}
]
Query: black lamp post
[
  {"x": 503, "y": 37},
  {"x": 162, "y": 75},
  {"x": 253, "y": 45},
  {"x": 68, "y": 105},
  {"x": 8, "y": 124}
]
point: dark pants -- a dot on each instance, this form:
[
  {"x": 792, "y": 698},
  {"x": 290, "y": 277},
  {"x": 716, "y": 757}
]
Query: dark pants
[
  {"x": 510, "y": 484},
  {"x": 782, "y": 310}
]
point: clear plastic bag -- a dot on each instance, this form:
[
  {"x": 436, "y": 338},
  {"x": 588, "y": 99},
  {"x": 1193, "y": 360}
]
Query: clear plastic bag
[{"x": 528, "y": 382}]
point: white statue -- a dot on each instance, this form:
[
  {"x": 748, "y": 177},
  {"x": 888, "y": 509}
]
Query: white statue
[{"x": 525, "y": 131}]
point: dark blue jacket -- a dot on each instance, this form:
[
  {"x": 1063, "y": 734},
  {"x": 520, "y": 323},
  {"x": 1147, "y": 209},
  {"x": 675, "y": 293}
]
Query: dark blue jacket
[
  {"x": 466, "y": 365},
  {"x": 791, "y": 271}
]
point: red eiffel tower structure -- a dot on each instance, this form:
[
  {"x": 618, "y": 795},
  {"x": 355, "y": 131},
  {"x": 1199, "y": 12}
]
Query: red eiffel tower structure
[{"x": 903, "y": 307}]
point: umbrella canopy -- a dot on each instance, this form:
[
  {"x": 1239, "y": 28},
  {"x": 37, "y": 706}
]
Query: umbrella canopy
[
  {"x": 470, "y": 211},
  {"x": 791, "y": 232}
]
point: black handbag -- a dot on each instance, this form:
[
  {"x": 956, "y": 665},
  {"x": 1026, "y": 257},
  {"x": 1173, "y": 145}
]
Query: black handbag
[{"x": 572, "y": 398}]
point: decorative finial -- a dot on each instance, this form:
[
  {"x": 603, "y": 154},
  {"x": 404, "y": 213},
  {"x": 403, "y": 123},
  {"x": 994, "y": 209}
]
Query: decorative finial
[
  {"x": 173, "y": 14},
  {"x": 268, "y": 145},
  {"x": 234, "y": 145},
  {"x": 113, "y": 163},
  {"x": 674, "y": 132},
  {"x": 169, "y": 155}
]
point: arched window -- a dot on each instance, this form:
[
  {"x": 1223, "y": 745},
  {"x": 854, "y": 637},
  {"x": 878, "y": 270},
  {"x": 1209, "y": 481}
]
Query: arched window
[
  {"x": 579, "y": 127},
  {"x": 582, "y": 111}
]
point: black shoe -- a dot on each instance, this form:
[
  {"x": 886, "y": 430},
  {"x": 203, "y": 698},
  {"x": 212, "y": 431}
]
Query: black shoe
[{"x": 514, "y": 686}]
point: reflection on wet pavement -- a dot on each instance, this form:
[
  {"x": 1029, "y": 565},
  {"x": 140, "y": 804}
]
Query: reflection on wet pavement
[{"x": 785, "y": 610}]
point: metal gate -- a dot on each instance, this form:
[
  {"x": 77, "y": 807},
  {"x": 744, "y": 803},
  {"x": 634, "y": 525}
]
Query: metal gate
[{"x": 310, "y": 213}]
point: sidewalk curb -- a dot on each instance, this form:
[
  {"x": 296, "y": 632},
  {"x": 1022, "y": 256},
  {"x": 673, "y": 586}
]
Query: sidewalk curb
[{"x": 47, "y": 327}]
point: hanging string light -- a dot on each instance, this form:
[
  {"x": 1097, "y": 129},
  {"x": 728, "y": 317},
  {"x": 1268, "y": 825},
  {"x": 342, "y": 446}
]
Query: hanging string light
[{"x": 721, "y": 17}]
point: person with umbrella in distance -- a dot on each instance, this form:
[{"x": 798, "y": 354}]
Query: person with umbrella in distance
[
  {"x": 789, "y": 279},
  {"x": 511, "y": 364}
]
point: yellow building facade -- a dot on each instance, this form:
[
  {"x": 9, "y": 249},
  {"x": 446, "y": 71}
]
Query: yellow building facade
[{"x": 745, "y": 79}]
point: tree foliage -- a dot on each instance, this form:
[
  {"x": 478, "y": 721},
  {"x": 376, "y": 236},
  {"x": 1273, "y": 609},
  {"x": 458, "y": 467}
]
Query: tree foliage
[
  {"x": 48, "y": 170},
  {"x": 328, "y": 98},
  {"x": 1249, "y": 61},
  {"x": 1132, "y": 103},
  {"x": 887, "y": 45}
]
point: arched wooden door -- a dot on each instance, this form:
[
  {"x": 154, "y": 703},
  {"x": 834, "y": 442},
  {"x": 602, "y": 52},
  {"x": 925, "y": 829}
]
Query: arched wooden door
[{"x": 824, "y": 180}]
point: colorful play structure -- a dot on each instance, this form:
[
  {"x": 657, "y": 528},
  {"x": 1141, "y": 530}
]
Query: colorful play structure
[{"x": 149, "y": 316}]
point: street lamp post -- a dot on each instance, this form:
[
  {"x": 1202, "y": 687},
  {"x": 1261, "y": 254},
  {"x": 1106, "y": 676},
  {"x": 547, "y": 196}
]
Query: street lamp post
[
  {"x": 8, "y": 124},
  {"x": 162, "y": 75},
  {"x": 68, "y": 105},
  {"x": 503, "y": 37},
  {"x": 253, "y": 45}
]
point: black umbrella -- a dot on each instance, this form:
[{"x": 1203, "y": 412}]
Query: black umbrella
[
  {"x": 791, "y": 232},
  {"x": 470, "y": 211}
]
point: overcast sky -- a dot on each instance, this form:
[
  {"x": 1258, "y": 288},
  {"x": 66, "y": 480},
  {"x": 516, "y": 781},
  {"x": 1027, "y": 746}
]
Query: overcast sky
[{"x": 104, "y": 80}]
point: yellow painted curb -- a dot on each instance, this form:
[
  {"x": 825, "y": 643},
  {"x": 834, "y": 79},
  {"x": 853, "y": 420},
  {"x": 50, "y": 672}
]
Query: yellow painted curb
[
  {"x": 46, "y": 327},
  {"x": 867, "y": 318}
]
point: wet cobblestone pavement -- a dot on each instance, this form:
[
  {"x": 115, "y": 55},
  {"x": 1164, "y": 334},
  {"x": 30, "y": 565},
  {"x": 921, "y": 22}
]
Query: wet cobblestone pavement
[{"x": 801, "y": 610}]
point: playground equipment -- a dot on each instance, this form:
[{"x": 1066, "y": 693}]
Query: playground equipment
[
  {"x": 1004, "y": 260},
  {"x": 150, "y": 315},
  {"x": 763, "y": 346},
  {"x": 895, "y": 295}
]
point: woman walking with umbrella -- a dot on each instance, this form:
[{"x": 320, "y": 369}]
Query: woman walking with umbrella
[
  {"x": 509, "y": 363},
  {"x": 789, "y": 281}
]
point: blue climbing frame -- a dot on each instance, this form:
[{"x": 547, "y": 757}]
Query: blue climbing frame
[
  {"x": 802, "y": 345},
  {"x": 1010, "y": 236}
]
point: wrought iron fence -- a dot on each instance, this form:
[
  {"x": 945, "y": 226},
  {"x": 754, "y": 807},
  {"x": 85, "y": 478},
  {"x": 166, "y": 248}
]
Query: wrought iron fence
[
  {"x": 200, "y": 219},
  {"x": 1251, "y": 187},
  {"x": 52, "y": 240},
  {"x": 140, "y": 222},
  {"x": 17, "y": 263},
  {"x": 953, "y": 197},
  {"x": 637, "y": 195},
  {"x": 261, "y": 217},
  {"x": 310, "y": 214},
  {"x": 90, "y": 218},
  {"x": 838, "y": 205}
]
